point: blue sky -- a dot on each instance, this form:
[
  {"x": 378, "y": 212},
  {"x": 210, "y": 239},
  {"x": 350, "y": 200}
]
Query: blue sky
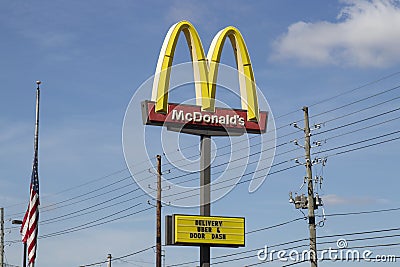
[{"x": 93, "y": 55}]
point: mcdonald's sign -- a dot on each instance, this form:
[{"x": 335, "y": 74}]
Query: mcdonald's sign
[{"x": 205, "y": 116}]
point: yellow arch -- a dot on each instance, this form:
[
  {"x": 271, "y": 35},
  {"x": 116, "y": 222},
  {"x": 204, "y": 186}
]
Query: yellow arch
[
  {"x": 205, "y": 69},
  {"x": 248, "y": 90},
  {"x": 163, "y": 73}
]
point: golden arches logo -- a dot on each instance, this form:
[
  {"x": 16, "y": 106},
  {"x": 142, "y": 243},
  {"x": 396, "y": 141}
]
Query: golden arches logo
[
  {"x": 205, "y": 69},
  {"x": 208, "y": 118}
]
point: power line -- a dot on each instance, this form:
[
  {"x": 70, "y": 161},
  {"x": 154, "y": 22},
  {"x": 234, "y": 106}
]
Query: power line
[
  {"x": 361, "y": 129},
  {"x": 187, "y": 174},
  {"x": 316, "y": 103},
  {"x": 233, "y": 178},
  {"x": 74, "y": 187},
  {"x": 363, "y": 147},
  {"x": 360, "y": 110},
  {"x": 223, "y": 163},
  {"x": 359, "y": 142},
  {"x": 355, "y": 89},
  {"x": 319, "y": 237},
  {"x": 137, "y": 188},
  {"x": 359, "y": 121},
  {"x": 341, "y": 146},
  {"x": 276, "y": 225},
  {"x": 342, "y": 126},
  {"x": 296, "y": 247},
  {"x": 57, "y": 204},
  {"x": 87, "y": 225},
  {"x": 362, "y": 212},
  {"x": 345, "y": 92},
  {"x": 361, "y": 100},
  {"x": 305, "y": 239},
  {"x": 260, "y": 177},
  {"x": 67, "y": 216},
  {"x": 334, "y": 109},
  {"x": 362, "y": 239},
  {"x": 92, "y": 191},
  {"x": 102, "y": 194},
  {"x": 121, "y": 257}
]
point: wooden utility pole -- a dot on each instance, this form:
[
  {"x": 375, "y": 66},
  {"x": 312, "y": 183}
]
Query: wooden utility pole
[
  {"x": 109, "y": 258},
  {"x": 158, "y": 213},
  {"x": 311, "y": 202}
]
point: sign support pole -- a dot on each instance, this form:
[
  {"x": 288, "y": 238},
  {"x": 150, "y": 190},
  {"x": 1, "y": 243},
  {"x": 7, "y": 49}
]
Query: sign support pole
[
  {"x": 205, "y": 192},
  {"x": 158, "y": 213},
  {"x": 2, "y": 237}
]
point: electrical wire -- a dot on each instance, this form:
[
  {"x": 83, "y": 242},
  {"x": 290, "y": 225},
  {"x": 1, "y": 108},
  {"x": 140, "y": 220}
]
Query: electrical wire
[
  {"x": 361, "y": 129},
  {"x": 121, "y": 257},
  {"x": 345, "y": 92},
  {"x": 67, "y": 216},
  {"x": 352, "y": 144},
  {"x": 334, "y": 109},
  {"x": 191, "y": 190},
  {"x": 57, "y": 204},
  {"x": 74, "y": 187},
  {"x": 358, "y": 121},
  {"x": 187, "y": 174},
  {"x": 87, "y": 225},
  {"x": 360, "y": 100},
  {"x": 359, "y": 142},
  {"x": 342, "y": 126},
  {"x": 229, "y": 161},
  {"x": 318, "y": 237}
]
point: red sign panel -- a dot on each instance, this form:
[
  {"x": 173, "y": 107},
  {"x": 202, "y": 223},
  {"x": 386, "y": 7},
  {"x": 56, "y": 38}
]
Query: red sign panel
[{"x": 191, "y": 117}]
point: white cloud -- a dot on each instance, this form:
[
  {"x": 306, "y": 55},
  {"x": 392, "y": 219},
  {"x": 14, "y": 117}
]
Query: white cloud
[{"x": 365, "y": 34}]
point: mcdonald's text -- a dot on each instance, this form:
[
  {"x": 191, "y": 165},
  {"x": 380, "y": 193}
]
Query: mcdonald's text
[{"x": 192, "y": 117}]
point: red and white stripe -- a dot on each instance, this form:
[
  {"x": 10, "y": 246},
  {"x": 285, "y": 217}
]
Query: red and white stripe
[{"x": 29, "y": 227}]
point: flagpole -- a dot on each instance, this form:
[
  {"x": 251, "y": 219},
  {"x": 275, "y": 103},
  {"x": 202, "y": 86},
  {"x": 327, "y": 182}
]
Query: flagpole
[{"x": 36, "y": 141}]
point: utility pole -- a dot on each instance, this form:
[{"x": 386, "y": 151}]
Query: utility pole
[
  {"x": 1, "y": 237},
  {"x": 158, "y": 213},
  {"x": 109, "y": 260},
  {"x": 311, "y": 204},
  {"x": 205, "y": 191}
]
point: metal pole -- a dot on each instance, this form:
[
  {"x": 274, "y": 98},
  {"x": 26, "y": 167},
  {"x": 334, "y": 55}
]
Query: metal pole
[
  {"x": 311, "y": 204},
  {"x": 1, "y": 237},
  {"x": 36, "y": 141},
  {"x": 24, "y": 256},
  {"x": 158, "y": 211},
  {"x": 205, "y": 195},
  {"x": 109, "y": 260}
]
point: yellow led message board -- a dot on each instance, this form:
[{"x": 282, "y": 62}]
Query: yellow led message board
[{"x": 211, "y": 230}]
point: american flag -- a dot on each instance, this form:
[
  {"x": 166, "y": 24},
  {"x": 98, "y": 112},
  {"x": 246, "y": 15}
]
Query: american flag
[{"x": 29, "y": 227}]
